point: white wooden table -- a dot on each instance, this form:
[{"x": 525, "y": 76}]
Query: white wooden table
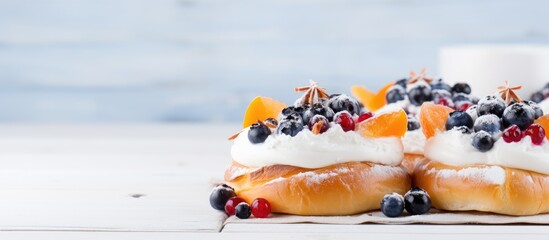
[{"x": 151, "y": 182}]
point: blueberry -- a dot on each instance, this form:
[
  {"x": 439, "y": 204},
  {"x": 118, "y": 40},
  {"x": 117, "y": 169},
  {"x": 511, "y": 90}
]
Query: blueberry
[
  {"x": 461, "y": 97},
  {"x": 242, "y": 210},
  {"x": 441, "y": 85},
  {"x": 289, "y": 127},
  {"x": 491, "y": 105},
  {"x": 220, "y": 195},
  {"x": 292, "y": 113},
  {"x": 419, "y": 94},
  {"x": 489, "y": 123},
  {"x": 413, "y": 123},
  {"x": 342, "y": 102},
  {"x": 538, "y": 111},
  {"x": 395, "y": 93},
  {"x": 461, "y": 88},
  {"x": 318, "y": 109},
  {"x": 417, "y": 201},
  {"x": 441, "y": 94},
  {"x": 402, "y": 82},
  {"x": 258, "y": 132},
  {"x": 519, "y": 114},
  {"x": 482, "y": 141},
  {"x": 537, "y": 97},
  {"x": 392, "y": 205},
  {"x": 457, "y": 119}
]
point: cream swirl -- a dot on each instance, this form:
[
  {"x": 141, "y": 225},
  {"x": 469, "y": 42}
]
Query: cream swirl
[
  {"x": 308, "y": 150},
  {"x": 414, "y": 142},
  {"x": 455, "y": 149}
]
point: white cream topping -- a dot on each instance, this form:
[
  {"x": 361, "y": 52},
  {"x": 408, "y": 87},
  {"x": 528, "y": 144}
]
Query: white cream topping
[
  {"x": 308, "y": 150},
  {"x": 455, "y": 149},
  {"x": 414, "y": 142}
]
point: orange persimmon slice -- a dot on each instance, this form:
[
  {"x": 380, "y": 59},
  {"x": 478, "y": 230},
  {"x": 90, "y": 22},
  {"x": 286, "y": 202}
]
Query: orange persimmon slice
[
  {"x": 432, "y": 118},
  {"x": 261, "y": 108},
  {"x": 391, "y": 124},
  {"x": 372, "y": 101}
]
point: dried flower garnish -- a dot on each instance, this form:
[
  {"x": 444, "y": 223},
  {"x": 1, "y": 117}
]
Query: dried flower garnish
[
  {"x": 421, "y": 76},
  {"x": 313, "y": 93},
  {"x": 508, "y": 93}
]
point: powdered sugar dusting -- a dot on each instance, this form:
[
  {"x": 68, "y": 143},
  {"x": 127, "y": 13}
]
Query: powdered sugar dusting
[
  {"x": 239, "y": 171},
  {"x": 386, "y": 171},
  {"x": 280, "y": 179},
  {"x": 315, "y": 178},
  {"x": 493, "y": 174}
]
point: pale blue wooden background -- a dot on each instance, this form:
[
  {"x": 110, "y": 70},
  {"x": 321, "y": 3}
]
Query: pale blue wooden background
[{"x": 203, "y": 60}]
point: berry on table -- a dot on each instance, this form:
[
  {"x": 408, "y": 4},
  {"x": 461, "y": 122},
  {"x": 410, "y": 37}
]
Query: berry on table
[
  {"x": 243, "y": 211},
  {"x": 365, "y": 116},
  {"x": 417, "y": 201},
  {"x": 345, "y": 120},
  {"x": 461, "y": 88},
  {"x": 289, "y": 127},
  {"x": 319, "y": 118},
  {"x": 489, "y": 123},
  {"x": 536, "y": 133},
  {"x": 457, "y": 119},
  {"x": 231, "y": 204},
  {"x": 419, "y": 93},
  {"x": 317, "y": 109},
  {"x": 258, "y": 133},
  {"x": 220, "y": 195},
  {"x": 395, "y": 93},
  {"x": 342, "y": 102},
  {"x": 392, "y": 205},
  {"x": 491, "y": 105},
  {"x": 482, "y": 141},
  {"x": 261, "y": 208},
  {"x": 519, "y": 114}
]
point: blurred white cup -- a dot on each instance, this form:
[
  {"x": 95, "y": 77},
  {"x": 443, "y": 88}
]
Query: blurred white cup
[{"x": 485, "y": 67}]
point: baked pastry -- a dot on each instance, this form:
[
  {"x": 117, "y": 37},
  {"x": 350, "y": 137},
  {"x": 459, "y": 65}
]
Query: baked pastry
[
  {"x": 322, "y": 156},
  {"x": 492, "y": 158},
  {"x": 409, "y": 94}
]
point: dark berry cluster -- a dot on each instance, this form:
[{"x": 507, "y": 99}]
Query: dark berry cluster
[
  {"x": 413, "y": 95},
  {"x": 493, "y": 118},
  {"x": 338, "y": 109},
  {"x": 541, "y": 95},
  {"x": 223, "y": 198},
  {"x": 416, "y": 202}
]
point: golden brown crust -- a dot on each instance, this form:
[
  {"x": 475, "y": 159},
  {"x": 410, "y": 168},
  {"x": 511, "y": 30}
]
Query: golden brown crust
[
  {"x": 484, "y": 188},
  {"x": 339, "y": 189},
  {"x": 410, "y": 162}
]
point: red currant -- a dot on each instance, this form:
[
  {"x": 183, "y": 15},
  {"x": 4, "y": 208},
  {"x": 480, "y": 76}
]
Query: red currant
[
  {"x": 464, "y": 106},
  {"x": 512, "y": 134},
  {"x": 365, "y": 116},
  {"x": 345, "y": 120},
  {"x": 231, "y": 205},
  {"x": 536, "y": 132},
  {"x": 261, "y": 208},
  {"x": 444, "y": 102}
]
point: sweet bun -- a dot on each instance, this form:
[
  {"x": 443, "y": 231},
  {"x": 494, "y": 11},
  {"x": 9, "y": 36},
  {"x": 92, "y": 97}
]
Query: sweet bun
[
  {"x": 339, "y": 189},
  {"x": 484, "y": 188}
]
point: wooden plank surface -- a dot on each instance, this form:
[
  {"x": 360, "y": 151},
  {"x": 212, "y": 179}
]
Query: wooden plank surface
[{"x": 111, "y": 178}]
